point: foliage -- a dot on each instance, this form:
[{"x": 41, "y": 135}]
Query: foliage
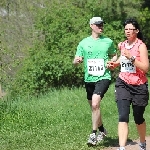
[
  {"x": 46, "y": 70},
  {"x": 15, "y": 37},
  {"x": 145, "y": 23},
  {"x": 42, "y": 37},
  {"x": 50, "y": 60}
]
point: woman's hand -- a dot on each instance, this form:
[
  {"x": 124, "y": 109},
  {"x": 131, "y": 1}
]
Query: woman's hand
[{"x": 126, "y": 53}]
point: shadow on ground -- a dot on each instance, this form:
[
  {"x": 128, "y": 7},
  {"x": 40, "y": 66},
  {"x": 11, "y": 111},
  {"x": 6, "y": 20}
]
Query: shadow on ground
[{"x": 113, "y": 142}]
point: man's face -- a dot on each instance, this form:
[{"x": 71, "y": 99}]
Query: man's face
[{"x": 97, "y": 28}]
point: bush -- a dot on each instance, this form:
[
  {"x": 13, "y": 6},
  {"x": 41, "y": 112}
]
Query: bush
[{"x": 59, "y": 29}]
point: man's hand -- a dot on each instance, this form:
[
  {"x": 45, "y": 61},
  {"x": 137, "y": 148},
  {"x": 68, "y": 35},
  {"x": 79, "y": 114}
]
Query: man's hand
[
  {"x": 78, "y": 60},
  {"x": 112, "y": 65}
]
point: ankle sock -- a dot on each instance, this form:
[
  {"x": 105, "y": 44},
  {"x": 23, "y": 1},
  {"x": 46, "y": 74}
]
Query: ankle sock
[
  {"x": 101, "y": 128},
  {"x": 94, "y": 131},
  {"x": 143, "y": 144}
]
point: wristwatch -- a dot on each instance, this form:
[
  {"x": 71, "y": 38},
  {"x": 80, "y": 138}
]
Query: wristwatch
[{"x": 132, "y": 59}]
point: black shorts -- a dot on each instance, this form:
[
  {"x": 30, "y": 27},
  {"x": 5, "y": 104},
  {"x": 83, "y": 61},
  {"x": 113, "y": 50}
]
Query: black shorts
[
  {"x": 99, "y": 88},
  {"x": 137, "y": 94}
]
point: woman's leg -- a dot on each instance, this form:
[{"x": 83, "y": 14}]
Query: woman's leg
[
  {"x": 124, "y": 111},
  {"x": 138, "y": 112}
]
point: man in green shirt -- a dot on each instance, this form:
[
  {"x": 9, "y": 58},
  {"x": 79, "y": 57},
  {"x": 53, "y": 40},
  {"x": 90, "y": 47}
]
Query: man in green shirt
[{"x": 94, "y": 51}]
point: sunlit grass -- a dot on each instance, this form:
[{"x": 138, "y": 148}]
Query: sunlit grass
[{"x": 60, "y": 120}]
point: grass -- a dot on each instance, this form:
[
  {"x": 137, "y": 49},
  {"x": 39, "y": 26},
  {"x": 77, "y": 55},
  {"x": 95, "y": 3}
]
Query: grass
[{"x": 60, "y": 120}]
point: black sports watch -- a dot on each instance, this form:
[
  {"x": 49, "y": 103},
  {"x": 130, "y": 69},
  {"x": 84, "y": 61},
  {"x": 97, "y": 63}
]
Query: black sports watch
[{"x": 132, "y": 59}]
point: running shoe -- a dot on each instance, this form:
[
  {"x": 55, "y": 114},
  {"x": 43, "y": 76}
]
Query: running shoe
[
  {"x": 121, "y": 149},
  {"x": 143, "y": 147},
  {"x": 101, "y": 135},
  {"x": 92, "y": 140}
]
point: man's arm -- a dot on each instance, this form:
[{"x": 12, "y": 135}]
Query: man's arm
[
  {"x": 77, "y": 60},
  {"x": 114, "y": 57},
  {"x": 113, "y": 63},
  {"x": 79, "y": 55}
]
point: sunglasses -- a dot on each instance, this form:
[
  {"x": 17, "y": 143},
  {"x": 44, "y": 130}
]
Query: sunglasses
[
  {"x": 130, "y": 29},
  {"x": 99, "y": 25}
]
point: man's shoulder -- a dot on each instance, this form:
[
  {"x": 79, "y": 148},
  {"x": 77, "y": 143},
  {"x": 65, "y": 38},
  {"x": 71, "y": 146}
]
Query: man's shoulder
[
  {"x": 107, "y": 39},
  {"x": 85, "y": 39}
]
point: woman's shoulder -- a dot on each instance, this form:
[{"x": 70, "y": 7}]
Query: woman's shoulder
[
  {"x": 140, "y": 41},
  {"x": 141, "y": 44},
  {"x": 120, "y": 44}
]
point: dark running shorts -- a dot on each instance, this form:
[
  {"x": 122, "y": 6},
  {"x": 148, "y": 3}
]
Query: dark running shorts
[
  {"x": 137, "y": 94},
  {"x": 99, "y": 88}
]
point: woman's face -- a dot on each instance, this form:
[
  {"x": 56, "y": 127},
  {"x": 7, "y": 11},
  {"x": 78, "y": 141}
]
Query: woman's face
[{"x": 130, "y": 32}]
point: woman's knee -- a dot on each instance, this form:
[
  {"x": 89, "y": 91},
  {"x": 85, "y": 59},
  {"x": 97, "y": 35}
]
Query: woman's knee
[
  {"x": 123, "y": 110},
  {"x": 138, "y": 119},
  {"x": 123, "y": 117},
  {"x": 138, "y": 112}
]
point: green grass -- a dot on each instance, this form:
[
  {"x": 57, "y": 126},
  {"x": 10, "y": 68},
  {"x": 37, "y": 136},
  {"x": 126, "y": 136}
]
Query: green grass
[{"x": 60, "y": 120}]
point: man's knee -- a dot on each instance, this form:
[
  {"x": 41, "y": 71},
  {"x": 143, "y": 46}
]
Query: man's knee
[
  {"x": 95, "y": 106},
  {"x": 96, "y": 101}
]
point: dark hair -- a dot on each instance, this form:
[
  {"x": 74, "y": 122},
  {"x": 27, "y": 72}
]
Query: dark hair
[{"x": 136, "y": 25}]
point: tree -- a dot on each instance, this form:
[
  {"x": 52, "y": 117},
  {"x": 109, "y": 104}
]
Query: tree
[{"x": 39, "y": 38}]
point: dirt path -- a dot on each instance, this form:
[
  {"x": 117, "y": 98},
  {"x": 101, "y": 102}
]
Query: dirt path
[{"x": 132, "y": 145}]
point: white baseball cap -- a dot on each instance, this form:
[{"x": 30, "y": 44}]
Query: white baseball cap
[{"x": 96, "y": 20}]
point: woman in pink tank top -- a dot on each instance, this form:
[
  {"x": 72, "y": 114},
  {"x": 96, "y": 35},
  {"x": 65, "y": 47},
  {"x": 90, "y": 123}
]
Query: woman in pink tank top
[{"x": 132, "y": 86}]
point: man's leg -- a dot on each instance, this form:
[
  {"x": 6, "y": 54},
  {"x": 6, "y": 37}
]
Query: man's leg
[
  {"x": 100, "y": 119},
  {"x": 90, "y": 87},
  {"x": 101, "y": 88},
  {"x": 96, "y": 117},
  {"x": 98, "y": 90}
]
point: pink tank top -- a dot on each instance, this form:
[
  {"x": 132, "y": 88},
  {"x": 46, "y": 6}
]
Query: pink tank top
[{"x": 138, "y": 77}]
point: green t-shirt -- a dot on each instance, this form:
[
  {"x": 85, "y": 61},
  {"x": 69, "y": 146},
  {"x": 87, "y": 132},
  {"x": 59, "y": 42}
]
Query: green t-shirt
[{"x": 95, "y": 55}]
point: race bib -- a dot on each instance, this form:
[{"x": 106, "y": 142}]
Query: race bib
[
  {"x": 96, "y": 67},
  {"x": 127, "y": 65}
]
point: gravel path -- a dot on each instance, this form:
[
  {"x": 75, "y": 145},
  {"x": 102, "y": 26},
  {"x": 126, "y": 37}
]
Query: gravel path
[{"x": 132, "y": 145}]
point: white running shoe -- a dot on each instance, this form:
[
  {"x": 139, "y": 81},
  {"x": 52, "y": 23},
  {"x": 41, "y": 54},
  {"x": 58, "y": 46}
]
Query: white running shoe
[
  {"x": 101, "y": 135},
  {"x": 121, "y": 149},
  {"x": 92, "y": 140},
  {"x": 143, "y": 147}
]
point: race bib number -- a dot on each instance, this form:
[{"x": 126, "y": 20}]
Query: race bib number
[
  {"x": 96, "y": 67},
  {"x": 127, "y": 65}
]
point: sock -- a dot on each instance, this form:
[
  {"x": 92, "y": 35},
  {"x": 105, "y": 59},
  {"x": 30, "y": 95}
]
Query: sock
[
  {"x": 94, "y": 131},
  {"x": 143, "y": 144},
  {"x": 101, "y": 128},
  {"x": 122, "y": 148}
]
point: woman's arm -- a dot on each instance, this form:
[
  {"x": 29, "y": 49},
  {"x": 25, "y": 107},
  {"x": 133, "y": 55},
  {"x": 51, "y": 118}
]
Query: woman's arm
[{"x": 143, "y": 63}]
